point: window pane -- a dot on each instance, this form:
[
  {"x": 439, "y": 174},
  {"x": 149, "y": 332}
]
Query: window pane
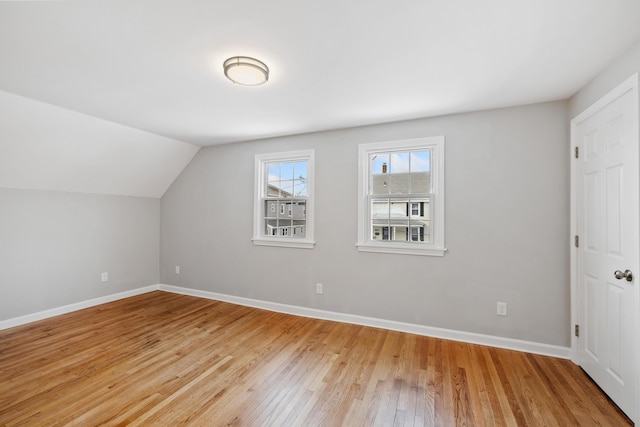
[
  {"x": 299, "y": 210},
  {"x": 399, "y": 233},
  {"x": 379, "y": 232},
  {"x": 420, "y": 178},
  {"x": 300, "y": 179},
  {"x": 399, "y": 163},
  {"x": 380, "y": 184},
  {"x": 285, "y": 218},
  {"x": 399, "y": 183},
  {"x": 420, "y": 182},
  {"x": 380, "y": 209},
  {"x": 286, "y": 171},
  {"x": 300, "y": 188},
  {"x": 271, "y": 209},
  {"x": 421, "y": 161},
  {"x": 419, "y": 208},
  {"x": 400, "y": 220},
  {"x": 287, "y": 179},
  {"x": 380, "y": 219},
  {"x": 420, "y": 229},
  {"x": 415, "y": 209},
  {"x": 273, "y": 172},
  {"x": 398, "y": 209},
  {"x": 273, "y": 191},
  {"x": 379, "y": 163},
  {"x": 300, "y": 170},
  {"x": 299, "y": 228},
  {"x": 271, "y": 227},
  {"x": 273, "y": 180},
  {"x": 415, "y": 235},
  {"x": 286, "y": 188}
]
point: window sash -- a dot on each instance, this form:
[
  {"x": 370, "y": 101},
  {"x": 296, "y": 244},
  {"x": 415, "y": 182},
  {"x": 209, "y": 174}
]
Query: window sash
[
  {"x": 433, "y": 241},
  {"x": 283, "y": 217},
  {"x": 385, "y": 224}
]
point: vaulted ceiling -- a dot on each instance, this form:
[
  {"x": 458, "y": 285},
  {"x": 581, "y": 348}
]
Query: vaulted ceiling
[{"x": 156, "y": 66}]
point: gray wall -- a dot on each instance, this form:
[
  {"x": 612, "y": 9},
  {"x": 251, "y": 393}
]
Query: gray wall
[
  {"x": 507, "y": 228},
  {"x": 55, "y": 245}
]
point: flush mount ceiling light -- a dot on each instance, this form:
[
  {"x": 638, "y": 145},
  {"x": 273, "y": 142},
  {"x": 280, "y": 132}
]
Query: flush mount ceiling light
[{"x": 246, "y": 71}]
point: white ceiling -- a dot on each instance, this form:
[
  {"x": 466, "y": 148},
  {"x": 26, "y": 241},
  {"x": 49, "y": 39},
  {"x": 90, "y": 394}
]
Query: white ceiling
[{"x": 157, "y": 65}]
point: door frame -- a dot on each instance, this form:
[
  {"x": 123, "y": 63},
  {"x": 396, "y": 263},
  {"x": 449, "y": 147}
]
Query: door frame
[{"x": 630, "y": 84}]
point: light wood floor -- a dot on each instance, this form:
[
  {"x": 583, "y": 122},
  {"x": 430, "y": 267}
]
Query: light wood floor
[{"x": 166, "y": 359}]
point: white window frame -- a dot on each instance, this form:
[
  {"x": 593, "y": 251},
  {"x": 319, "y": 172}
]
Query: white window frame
[
  {"x": 259, "y": 237},
  {"x": 437, "y": 223}
]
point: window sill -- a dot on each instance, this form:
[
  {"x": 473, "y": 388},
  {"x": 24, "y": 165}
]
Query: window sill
[
  {"x": 401, "y": 249},
  {"x": 285, "y": 243}
]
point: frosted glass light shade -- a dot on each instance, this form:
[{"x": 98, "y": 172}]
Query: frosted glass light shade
[{"x": 246, "y": 71}]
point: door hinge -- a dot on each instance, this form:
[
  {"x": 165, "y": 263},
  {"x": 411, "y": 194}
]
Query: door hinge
[
  {"x": 577, "y": 151},
  {"x": 576, "y": 241},
  {"x": 576, "y": 330}
]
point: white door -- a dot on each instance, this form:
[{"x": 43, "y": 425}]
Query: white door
[{"x": 606, "y": 191}]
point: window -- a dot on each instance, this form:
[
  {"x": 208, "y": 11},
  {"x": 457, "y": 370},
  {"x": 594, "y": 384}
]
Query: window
[
  {"x": 283, "y": 205},
  {"x": 401, "y": 197}
]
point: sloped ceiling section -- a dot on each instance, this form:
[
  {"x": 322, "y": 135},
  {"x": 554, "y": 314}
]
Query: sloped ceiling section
[{"x": 45, "y": 147}]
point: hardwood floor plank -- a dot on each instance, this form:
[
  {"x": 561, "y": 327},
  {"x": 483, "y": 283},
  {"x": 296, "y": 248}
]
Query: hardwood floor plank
[
  {"x": 493, "y": 411},
  {"x": 433, "y": 391},
  {"x": 507, "y": 382},
  {"x": 166, "y": 359},
  {"x": 532, "y": 403},
  {"x": 448, "y": 398},
  {"x": 480, "y": 398}
]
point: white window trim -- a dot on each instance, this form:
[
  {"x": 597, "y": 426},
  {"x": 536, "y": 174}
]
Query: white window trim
[
  {"x": 259, "y": 238},
  {"x": 364, "y": 243}
]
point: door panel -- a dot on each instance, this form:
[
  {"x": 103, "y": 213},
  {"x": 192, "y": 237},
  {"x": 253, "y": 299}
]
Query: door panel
[
  {"x": 613, "y": 207},
  {"x": 607, "y": 197},
  {"x": 591, "y": 321},
  {"x": 615, "y": 326},
  {"x": 590, "y": 232}
]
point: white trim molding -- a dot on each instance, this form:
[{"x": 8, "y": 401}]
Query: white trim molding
[
  {"x": 449, "y": 334},
  {"x": 34, "y": 317}
]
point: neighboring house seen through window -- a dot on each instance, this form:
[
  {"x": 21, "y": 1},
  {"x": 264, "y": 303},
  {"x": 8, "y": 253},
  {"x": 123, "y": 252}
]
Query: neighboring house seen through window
[
  {"x": 401, "y": 200},
  {"x": 283, "y": 214}
]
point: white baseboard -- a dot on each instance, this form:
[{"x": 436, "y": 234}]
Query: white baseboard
[
  {"x": 449, "y": 334},
  {"x": 17, "y": 321}
]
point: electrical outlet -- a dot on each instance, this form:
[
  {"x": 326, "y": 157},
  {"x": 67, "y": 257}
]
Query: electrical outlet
[
  {"x": 502, "y": 309},
  {"x": 104, "y": 277},
  {"x": 177, "y": 269},
  {"x": 319, "y": 288}
]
